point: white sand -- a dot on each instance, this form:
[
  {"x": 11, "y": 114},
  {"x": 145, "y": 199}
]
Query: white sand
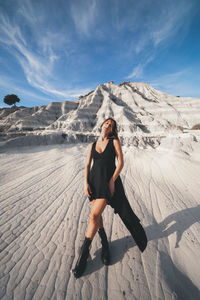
[{"x": 44, "y": 216}]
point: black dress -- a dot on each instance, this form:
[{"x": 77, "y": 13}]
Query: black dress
[{"x": 98, "y": 179}]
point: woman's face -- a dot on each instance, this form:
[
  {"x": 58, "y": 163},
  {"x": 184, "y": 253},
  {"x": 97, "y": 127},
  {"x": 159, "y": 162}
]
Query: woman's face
[{"x": 106, "y": 127}]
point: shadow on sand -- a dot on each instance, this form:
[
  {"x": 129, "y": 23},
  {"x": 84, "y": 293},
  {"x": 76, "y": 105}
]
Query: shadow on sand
[
  {"x": 180, "y": 285},
  {"x": 180, "y": 220}
]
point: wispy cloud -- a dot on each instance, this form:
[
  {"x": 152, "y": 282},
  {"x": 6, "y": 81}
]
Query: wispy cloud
[
  {"x": 66, "y": 48},
  {"x": 138, "y": 70},
  {"x": 171, "y": 21},
  {"x": 35, "y": 67},
  {"x": 7, "y": 83},
  {"x": 177, "y": 83},
  {"x": 84, "y": 14},
  {"x": 170, "y": 77},
  {"x": 38, "y": 64},
  {"x": 160, "y": 33}
]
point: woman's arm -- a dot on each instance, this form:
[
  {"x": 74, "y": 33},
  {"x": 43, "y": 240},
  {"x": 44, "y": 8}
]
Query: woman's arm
[
  {"x": 88, "y": 164},
  {"x": 120, "y": 159}
]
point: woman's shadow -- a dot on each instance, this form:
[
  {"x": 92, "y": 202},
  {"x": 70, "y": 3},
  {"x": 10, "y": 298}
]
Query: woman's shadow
[{"x": 177, "y": 222}]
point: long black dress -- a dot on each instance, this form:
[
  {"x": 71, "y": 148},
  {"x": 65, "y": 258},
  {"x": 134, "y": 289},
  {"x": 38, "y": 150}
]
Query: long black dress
[{"x": 98, "y": 178}]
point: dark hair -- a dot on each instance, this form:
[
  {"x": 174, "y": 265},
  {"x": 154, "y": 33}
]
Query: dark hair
[{"x": 114, "y": 132}]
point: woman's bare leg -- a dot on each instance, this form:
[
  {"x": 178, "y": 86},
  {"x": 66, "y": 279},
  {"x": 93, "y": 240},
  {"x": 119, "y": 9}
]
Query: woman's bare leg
[
  {"x": 95, "y": 217},
  {"x": 100, "y": 220}
]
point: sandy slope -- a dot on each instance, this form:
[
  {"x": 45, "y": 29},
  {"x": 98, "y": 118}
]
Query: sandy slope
[{"x": 44, "y": 215}]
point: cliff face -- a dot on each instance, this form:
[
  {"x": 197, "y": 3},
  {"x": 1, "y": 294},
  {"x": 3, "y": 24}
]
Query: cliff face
[
  {"x": 33, "y": 118},
  {"x": 143, "y": 115}
]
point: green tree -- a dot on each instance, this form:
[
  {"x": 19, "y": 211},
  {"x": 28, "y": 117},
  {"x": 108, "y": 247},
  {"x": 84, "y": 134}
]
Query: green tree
[{"x": 11, "y": 99}]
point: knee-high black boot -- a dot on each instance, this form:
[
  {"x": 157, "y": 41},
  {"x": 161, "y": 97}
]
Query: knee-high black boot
[
  {"x": 82, "y": 260},
  {"x": 105, "y": 255}
]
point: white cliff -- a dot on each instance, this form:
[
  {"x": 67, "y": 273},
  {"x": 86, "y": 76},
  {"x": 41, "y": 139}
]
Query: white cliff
[{"x": 144, "y": 116}]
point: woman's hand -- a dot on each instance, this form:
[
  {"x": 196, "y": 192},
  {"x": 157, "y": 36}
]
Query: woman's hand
[
  {"x": 87, "y": 190},
  {"x": 112, "y": 186}
]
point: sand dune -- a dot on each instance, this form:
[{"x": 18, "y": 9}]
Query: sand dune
[{"x": 44, "y": 216}]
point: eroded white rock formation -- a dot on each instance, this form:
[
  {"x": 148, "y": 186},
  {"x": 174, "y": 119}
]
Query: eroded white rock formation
[{"x": 144, "y": 115}]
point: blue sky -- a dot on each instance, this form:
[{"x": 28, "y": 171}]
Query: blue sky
[{"x": 58, "y": 50}]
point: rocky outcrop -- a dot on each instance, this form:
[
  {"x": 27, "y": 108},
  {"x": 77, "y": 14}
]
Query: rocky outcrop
[{"x": 143, "y": 115}]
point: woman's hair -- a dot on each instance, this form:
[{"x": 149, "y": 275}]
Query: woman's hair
[{"x": 113, "y": 134}]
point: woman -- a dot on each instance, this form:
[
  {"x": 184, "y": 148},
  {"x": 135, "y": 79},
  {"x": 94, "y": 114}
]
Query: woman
[{"x": 103, "y": 186}]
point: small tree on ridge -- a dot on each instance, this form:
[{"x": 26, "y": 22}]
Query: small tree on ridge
[{"x": 11, "y": 99}]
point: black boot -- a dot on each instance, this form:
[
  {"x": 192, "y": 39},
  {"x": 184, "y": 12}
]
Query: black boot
[
  {"x": 82, "y": 260},
  {"x": 105, "y": 255}
]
